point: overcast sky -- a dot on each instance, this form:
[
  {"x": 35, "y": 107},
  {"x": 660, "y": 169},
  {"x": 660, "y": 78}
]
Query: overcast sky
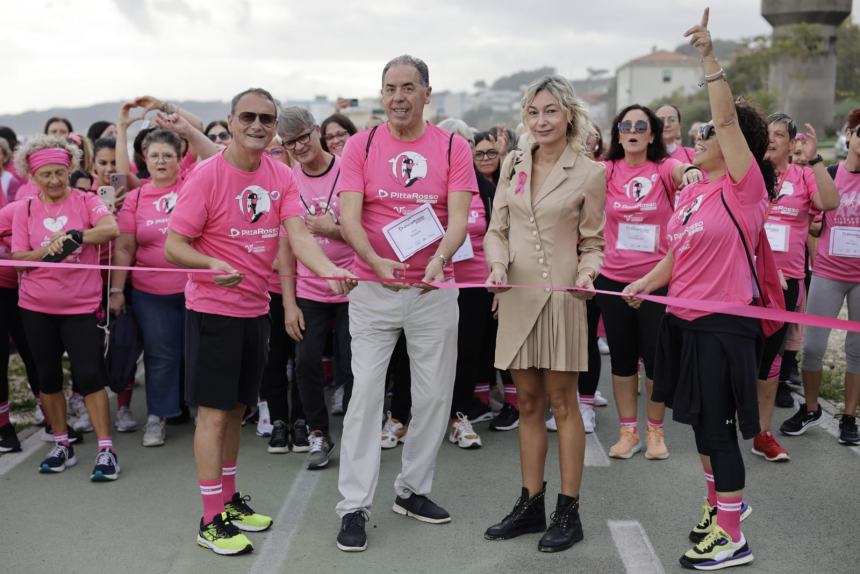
[{"x": 80, "y": 52}]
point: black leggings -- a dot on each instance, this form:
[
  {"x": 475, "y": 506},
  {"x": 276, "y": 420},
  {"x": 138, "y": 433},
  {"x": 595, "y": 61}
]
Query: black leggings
[
  {"x": 631, "y": 333},
  {"x": 475, "y": 317},
  {"x": 773, "y": 344},
  {"x": 11, "y": 326},
  {"x": 79, "y": 336},
  {"x": 716, "y": 433},
  {"x": 275, "y": 388},
  {"x": 588, "y": 380}
]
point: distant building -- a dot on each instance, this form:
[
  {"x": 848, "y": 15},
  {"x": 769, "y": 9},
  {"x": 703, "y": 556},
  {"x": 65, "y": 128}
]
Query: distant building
[{"x": 656, "y": 75}]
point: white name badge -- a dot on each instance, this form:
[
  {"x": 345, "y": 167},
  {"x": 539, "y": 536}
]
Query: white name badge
[
  {"x": 777, "y": 236},
  {"x": 413, "y": 232},
  {"x": 465, "y": 251},
  {"x": 637, "y": 237},
  {"x": 845, "y": 241}
]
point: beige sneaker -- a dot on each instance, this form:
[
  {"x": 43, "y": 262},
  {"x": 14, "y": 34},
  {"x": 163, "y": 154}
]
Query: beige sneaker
[
  {"x": 628, "y": 443},
  {"x": 656, "y": 445}
]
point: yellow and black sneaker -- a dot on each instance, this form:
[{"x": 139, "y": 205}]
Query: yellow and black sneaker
[
  {"x": 709, "y": 518},
  {"x": 716, "y": 551},
  {"x": 222, "y": 537},
  {"x": 243, "y": 516}
]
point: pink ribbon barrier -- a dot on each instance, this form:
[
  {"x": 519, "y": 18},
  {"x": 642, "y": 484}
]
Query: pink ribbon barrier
[{"x": 750, "y": 311}]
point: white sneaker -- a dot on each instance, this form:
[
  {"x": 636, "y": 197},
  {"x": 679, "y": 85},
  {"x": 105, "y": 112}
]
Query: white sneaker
[
  {"x": 38, "y": 416},
  {"x": 264, "y": 423},
  {"x": 588, "y": 419},
  {"x": 599, "y": 400},
  {"x": 153, "y": 432},
  {"x": 125, "y": 420},
  {"x": 393, "y": 432},
  {"x": 551, "y": 425},
  {"x": 462, "y": 434},
  {"x": 337, "y": 401},
  {"x": 79, "y": 417},
  {"x": 603, "y": 345}
]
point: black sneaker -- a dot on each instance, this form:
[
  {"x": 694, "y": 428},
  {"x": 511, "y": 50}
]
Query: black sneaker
[
  {"x": 321, "y": 446},
  {"x": 421, "y": 508},
  {"x": 565, "y": 527},
  {"x": 528, "y": 516},
  {"x": 60, "y": 458},
  {"x": 279, "y": 443},
  {"x": 107, "y": 466},
  {"x": 352, "y": 537},
  {"x": 848, "y": 431},
  {"x": 507, "y": 419},
  {"x": 801, "y": 421},
  {"x": 300, "y": 436},
  {"x": 784, "y": 400},
  {"x": 8, "y": 439},
  {"x": 479, "y": 412}
]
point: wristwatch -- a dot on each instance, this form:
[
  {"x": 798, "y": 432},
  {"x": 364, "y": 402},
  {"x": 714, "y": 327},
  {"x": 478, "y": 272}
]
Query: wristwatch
[
  {"x": 442, "y": 257},
  {"x": 815, "y": 160}
]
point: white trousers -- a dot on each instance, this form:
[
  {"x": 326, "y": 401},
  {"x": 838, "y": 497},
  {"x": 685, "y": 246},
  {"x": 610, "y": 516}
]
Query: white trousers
[{"x": 376, "y": 317}]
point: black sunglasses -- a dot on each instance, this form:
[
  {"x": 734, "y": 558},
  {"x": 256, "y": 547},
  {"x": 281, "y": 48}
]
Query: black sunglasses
[
  {"x": 628, "y": 127},
  {"x": 248, "y": 118},
  {"x": 223, "y": 136},
  {"x": 489, "y": 154},
  {"x": 707, "y": 131}
]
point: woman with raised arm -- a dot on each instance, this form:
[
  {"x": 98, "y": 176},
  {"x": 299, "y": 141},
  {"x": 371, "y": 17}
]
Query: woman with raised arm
[{"x": 706, "y": 363}]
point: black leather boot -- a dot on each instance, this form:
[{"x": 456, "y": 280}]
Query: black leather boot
[
  {"x": 527, "y": 516},
  {"x": 565, "y": 528}
]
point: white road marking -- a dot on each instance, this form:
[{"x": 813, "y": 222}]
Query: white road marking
[
  {"x": 634, "y": 547},
  {"x": 273, "y": 553},
  {"x": 595, "y": 455},
  {"x": 30, "y": 445}
]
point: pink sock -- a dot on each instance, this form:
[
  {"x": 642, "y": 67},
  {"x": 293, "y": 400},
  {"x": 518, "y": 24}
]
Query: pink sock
[
  {"x": 511, "y": 396},
  {"x": 228, "y": 481},
  {"x": 482, "y": 393},
  {"x": 213, "y": 504},
  {"x": 62, "y": 439},
  {"x": 628, "y": 423},
  {"x": 729, "y": 516},
  {"x": 657, "y": 424},
  {"x": 105, "y": 442},
  {"x": 123, "y": 399},
  {"x": 4, "y": 414},
  {"x": 712, "y": 490},
  {"x": 586, "y": 400}
]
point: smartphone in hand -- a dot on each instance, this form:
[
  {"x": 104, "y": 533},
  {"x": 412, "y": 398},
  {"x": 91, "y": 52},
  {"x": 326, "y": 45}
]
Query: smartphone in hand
[
  {"x": 107, "y": 193},
  {"x": 69, "y": 245},
  {"x": 118, "y": 180}
]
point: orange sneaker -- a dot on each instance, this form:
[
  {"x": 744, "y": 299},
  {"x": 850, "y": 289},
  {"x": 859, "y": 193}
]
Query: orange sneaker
[
  {"x": 628, "y": 443},
  {"x": 656, "y": 444}
]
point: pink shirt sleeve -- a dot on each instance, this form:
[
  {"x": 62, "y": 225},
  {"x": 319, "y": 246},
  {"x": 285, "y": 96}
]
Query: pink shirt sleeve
[
  {"x": 126, "y": 218},
  {"x": 290, "y": 204},
  {"x": 96, "y": 209},
  {"x": 748, "y": 190},
  {"x": 20, "y": 233},
  {"x": 665, "y": 168},
  {"x": 462, "y": 172},
  {"x": 811, "y": 184},
  {"x": 352, "y": 164},
  {"x": 189, "y": 217}
]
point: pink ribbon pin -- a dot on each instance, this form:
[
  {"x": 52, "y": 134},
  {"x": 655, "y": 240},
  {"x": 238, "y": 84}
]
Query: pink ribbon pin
[{"x": 521, "y": 183}]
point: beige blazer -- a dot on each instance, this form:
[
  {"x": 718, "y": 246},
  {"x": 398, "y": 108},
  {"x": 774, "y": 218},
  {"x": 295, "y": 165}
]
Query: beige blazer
[{"x": 546, "y": 237}]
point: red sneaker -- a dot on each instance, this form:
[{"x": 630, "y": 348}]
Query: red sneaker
[{"x": 764, "y": 444}]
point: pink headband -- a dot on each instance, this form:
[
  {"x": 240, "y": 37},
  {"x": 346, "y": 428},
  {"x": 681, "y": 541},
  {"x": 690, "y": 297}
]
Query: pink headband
[{"x": 52, "y": 155}]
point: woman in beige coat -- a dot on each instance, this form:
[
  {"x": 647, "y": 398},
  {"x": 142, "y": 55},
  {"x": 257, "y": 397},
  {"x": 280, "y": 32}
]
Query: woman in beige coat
[{"x": 547, "y": 229}]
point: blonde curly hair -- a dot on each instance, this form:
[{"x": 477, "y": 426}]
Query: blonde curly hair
[
  {"x": 578, "y": 120},
  {"x": 45, "y": 142}
]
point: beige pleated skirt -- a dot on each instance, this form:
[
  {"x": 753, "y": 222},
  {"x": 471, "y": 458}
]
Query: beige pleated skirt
[{"x": 559, "y": 338}]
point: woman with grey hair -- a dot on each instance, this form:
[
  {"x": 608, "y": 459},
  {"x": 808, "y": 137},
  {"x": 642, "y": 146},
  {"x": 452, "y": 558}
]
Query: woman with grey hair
[{"x": 549, "y": 212}]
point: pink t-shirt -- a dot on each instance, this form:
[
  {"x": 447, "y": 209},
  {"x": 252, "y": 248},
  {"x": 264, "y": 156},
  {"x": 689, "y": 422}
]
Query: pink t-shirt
[
  {"x": 145, "y": 214},
  {"x": 682, "y": 154},
  {"x": 710, "y": 263},
  {"x": 788, "y": 219},
  {"x": 234, "y": 216},
  {"x": 474, "y": 269},
  {"x": 396, "y": 178},
  {"x": 8, "y": 275},
  {"x": 318, "y": 197},
  {"x": 27, "y": 189},
  {"x": 638, "y": 206},
  {"x": 59, "y": 291},
  {"x": 275, "y": 277},
  {"x": 836, "y": 259}
]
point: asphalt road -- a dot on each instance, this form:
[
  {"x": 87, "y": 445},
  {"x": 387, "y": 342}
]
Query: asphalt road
[{"x": 636, "y": 513}]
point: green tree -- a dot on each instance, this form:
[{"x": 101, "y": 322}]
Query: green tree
[{"x": 848, "y": 61}]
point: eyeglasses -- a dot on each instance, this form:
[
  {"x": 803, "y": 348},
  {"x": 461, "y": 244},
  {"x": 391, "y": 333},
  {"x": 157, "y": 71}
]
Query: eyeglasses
[
  {"x": 223, "y": 136},
  {"x": 156, "y": 157},
  {"x": 628, "y": 127},
  {"x": 248, "y": 118},
  {"x": 301, "y": 140},
  {"x": 336, "y": 135},
  {"x": 707, "y": 131},
  {"x": 276, "y": 151},
  {"x": 489, "y": 154}
]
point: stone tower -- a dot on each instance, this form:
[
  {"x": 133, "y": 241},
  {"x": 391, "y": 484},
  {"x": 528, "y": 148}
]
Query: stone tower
[{"x": 805, "y": 89}]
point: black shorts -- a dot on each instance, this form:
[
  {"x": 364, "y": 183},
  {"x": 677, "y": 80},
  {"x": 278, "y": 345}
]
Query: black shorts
[
  {"x": 79, "y": 336},
  {"x": 773, "y": 344},
  {"x": 631, "y": 333},
  {"x": 225, "y": 358}
]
